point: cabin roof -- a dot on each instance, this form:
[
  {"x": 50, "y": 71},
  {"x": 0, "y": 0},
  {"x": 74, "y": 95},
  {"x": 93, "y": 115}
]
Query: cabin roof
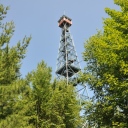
[{"x": 63, "y": 17}]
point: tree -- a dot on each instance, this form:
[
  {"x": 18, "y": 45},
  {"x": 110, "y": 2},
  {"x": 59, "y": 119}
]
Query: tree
[
  {"x": 107, "y": 69},
  {"x": 39, "y": 81},
  {"x": 50, "y": 104},
  {"x": 18, "y": 118},
  {"x": 65, "y": 110},
  {"x": 10, "y": 63}
]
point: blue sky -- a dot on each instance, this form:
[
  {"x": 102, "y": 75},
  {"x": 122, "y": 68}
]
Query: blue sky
[{"x": 39, "y": 19}]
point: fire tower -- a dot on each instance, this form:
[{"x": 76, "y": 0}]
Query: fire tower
[{"x": 67, "y": 61}]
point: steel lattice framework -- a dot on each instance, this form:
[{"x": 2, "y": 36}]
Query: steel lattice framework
[{"x": 67, "y": 61}]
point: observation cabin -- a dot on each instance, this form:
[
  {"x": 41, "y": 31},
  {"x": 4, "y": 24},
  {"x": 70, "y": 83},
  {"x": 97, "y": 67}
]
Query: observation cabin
[{"x": 64, "y": 20}]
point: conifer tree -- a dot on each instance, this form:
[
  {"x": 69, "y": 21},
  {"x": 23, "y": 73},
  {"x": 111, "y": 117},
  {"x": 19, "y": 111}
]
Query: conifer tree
[
  {"x": 10, "y": 63},
  {"x": 40, "y": 93},
  {"x": 65, "y": 110},
  {"x": 51, "y": 105},
  {"x": 106, "y": 54}
]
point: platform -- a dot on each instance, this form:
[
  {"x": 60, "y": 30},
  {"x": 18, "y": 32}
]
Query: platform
[{"x": 71, "y": 70}]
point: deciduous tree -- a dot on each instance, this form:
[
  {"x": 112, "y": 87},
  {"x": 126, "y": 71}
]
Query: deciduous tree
[{"x": 106, "y": 55}]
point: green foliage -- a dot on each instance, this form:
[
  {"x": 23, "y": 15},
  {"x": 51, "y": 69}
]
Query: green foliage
[
  {"x": 10, "y": 57},
  {"x": 52, "y": 104},
  {"x": 39, "y": 81},
  {"x": 64, "y": 106},
  {"x": 10, "y": 62},
  {"x": 107, "y": 69}
]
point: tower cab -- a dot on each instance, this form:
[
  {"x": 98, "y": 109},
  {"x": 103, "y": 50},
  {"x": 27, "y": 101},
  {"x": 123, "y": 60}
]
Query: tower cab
[{"x": 64, "y": 20}]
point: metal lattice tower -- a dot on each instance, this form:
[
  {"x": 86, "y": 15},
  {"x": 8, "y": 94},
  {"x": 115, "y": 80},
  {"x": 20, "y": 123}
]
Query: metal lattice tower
[{"x": 67, "y": 61}]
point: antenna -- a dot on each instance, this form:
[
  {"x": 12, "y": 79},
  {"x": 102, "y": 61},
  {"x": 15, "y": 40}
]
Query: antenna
[{"x": 64, "y": 12}]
